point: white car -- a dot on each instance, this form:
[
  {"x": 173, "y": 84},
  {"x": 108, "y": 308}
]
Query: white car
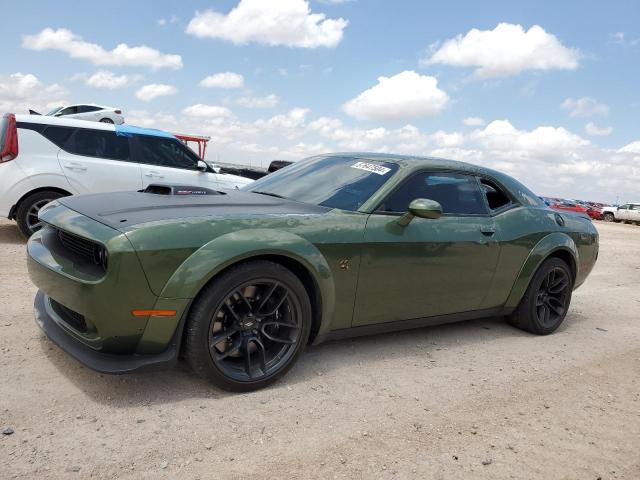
[
  {"x": 629, "y": 212},
  {"x": 89, "y": 111},
  {"x": 43, "y": 158}
]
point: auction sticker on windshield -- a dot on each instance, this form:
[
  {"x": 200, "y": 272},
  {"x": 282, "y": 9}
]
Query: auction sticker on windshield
[{"x": 371, "y": 167}]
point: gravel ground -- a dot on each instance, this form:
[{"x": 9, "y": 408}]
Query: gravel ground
[{"x": 472, "y": 400}]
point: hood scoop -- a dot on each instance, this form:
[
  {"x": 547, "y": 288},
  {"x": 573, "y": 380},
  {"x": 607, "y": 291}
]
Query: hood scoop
[{"x": 181, "y": 190}]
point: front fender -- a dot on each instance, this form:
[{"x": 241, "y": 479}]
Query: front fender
[
  {"x": 545, "y": 247},
  {"x": 225, "y": 250}
]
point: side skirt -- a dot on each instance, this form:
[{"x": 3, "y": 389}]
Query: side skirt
[{"x": 399, "y": 325}]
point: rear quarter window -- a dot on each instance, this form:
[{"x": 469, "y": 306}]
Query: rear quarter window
[{"x": 58, "y": 135}]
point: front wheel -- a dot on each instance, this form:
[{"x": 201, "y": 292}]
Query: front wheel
[
  {"x": 27, "y": 213},
  {"x": 546, "y": 301},
  {"x": 248, "y": 327},
  {"x": 608, "y": 217}
]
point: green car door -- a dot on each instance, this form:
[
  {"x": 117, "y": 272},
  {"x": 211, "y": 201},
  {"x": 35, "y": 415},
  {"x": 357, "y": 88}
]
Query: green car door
[{"x": 431, "y": 266}]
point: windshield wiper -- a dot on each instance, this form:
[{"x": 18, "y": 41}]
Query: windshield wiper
[{"x": 271, "y": 194}]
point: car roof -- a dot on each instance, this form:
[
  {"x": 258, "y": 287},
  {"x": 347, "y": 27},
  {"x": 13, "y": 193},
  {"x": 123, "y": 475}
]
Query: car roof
[
  {"x": 124, "y": 129},
  {"x": 411, "y": 163},
  {"x": 64, "y": 122},
  {"x": 415, "y": 162}
]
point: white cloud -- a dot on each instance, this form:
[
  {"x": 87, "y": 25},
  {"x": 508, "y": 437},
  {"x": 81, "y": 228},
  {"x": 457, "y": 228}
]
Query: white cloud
[
  {"x": 633, "y": 147},
  {"x": 276, "y": 22},
  {"x": 621, "y": 39},
  {"x": 584, "y": 107},
  {"x": 123, "y": 55},
  {"x": 551, "y": 160},
  {"x": 155, "y": 90},
  {"x": 504, "y": 51},
  {"x": 109, "y": 80},
  {"x": 162, "y": 22},
  {"x": 223, "y": 80},
  {"x": 596, "y": 131},
  {"x": 289, "y": 124},
  {"x": 20, "y": 92},
  {"x": 144, "y": 118},
  {"x": 207, "y": 111},
  {"x": 406, "y": 95},
  {"x": 474, "y": 121},
  {"x": 268, "y": 101}
]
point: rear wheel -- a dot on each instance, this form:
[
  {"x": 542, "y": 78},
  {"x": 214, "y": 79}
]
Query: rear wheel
[
  {"x": 608, "y": 217},
  {"x": 248, "y": 327},
  {"x": 27, "y": 213},
  {"x": 106, "y": 120},
  {"x": 546, "y": 301}
]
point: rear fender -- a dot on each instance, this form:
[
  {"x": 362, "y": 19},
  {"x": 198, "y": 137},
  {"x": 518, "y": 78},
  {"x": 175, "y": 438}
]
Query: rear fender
[
  {"x": 544, "y": 248},
  {"x": 234, "y": 247}
]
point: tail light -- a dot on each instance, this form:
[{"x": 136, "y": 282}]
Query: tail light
[
  {"x": 8, "y": 137},
  {"x": 119, "y": 112}
]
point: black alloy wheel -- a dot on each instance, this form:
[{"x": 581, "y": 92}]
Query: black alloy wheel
[
  {"x": 551, "y": 300},
  {"x": 248, "y": 326},
  {"x": 255, "y": 330},
  {"x": 546, "y": 301}
]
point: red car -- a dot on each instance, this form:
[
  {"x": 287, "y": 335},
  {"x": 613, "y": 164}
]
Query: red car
[
  {"x": 577, "y": 208},
  {"x": 592, "y": 212}
]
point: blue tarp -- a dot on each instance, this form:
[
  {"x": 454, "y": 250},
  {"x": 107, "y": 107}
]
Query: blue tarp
[{"x": 128, "y": 130}]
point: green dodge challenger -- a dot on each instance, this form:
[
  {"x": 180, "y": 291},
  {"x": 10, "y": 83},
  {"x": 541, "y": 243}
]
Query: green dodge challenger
[{"x": 239, "y": 282}]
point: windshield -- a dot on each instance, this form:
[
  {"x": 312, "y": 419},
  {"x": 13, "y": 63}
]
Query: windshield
[
  {"x": 334, "y": 182},
  {"x": 54, "y": 111}
]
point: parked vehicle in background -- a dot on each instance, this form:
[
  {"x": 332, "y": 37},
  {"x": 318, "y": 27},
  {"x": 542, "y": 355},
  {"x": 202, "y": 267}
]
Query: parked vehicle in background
[
  {"x": 629, "y": 212},
  {"x": 43, "y": 158},
  {"x": 89, "y": 111},
  {"x": 277, "y": 165},
  {"x": 568, "y": 206},
  {"x": 594, "y": 213}
]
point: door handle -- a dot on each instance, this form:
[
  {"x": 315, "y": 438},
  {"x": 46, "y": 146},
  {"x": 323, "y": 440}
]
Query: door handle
[
  {"x": 75, "y": 166},
  {"x": 154, "y": 175},
  {"x": 487, "y": 231}
]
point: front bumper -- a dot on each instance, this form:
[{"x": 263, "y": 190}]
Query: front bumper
[{"x": 96, "y": 360}]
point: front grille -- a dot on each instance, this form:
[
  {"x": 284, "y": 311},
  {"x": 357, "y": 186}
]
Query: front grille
[
  {"x": 91, "y": 251},
  {"x": 73, "y": 319}
]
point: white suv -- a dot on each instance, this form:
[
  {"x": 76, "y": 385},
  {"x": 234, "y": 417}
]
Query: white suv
[
  {"x": 89, "y": 111},
  {"x": 43, "y": 158},
  {"x": 629, "y": 212}
]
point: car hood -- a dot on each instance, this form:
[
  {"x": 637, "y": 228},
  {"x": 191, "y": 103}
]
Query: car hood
[{"x": 122, "y": 210}]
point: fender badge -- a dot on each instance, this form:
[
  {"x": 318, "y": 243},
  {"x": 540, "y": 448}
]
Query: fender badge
[{"x": 344, "y": 264}]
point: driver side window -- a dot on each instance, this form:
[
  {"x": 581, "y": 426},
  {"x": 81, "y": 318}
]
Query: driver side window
[
  {"x": 458, "y": 194},
  {"x": 165, "y": 152}
]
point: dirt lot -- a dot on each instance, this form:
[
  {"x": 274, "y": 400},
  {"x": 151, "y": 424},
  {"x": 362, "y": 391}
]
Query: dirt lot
[{"x": 471, "y": 400}]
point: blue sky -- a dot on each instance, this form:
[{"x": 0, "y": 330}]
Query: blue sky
[{"x": 549, "y": 89}]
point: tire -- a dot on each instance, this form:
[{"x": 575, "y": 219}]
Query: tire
[
  {"x": 106, "y": 120},
  {"x": 609, "y": 217},
  {"x": 530, "y": 314},
  {"x": 26, "y": 214},
  {"x": 240, "y": 334}
]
